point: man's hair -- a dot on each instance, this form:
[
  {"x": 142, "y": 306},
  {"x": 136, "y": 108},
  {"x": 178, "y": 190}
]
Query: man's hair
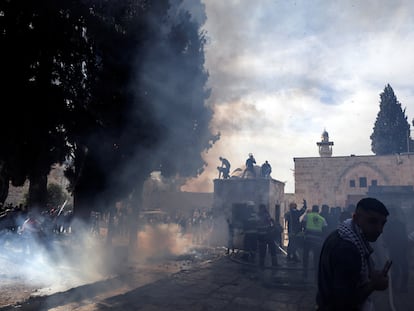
[{"x": 371, "y": 205}]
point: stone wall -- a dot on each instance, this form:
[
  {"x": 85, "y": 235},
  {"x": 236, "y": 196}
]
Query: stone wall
[
  {"x": 16, "y": 194},
  {"x": 242, "y": 190},
  {"x": 334, "y": 180},
  {"x": 182, "y": 203}
]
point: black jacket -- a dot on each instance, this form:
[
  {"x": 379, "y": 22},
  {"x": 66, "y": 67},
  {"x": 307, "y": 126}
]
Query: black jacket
[{"x": 339, "y": 276}]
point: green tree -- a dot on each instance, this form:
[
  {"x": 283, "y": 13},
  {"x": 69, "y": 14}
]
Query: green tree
[
  {"x": 41, "y": 43},
  {"x": 116, "y": 85},
  {"x": 391, "y": 132},
  {"x": 149, "y": 95}
]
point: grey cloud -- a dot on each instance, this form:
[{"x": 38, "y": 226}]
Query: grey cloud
[{"x": 239, "y": 117}]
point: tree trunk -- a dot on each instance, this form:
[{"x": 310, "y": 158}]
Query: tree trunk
[
  {"x": 4, "y": 184},
  {"x": 85, "y": 192},
  {"x": 38, "y": 190},
  {"x": 82, "y": 206},
  {"x": 136, "y": 204}
]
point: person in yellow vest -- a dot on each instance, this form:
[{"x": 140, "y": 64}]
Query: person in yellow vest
[{"x": 315, "y": 226}]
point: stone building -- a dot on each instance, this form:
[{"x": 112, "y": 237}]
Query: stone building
[
  {"x": 343, "y": 180},
  {"x": 236, "y": 200},
  {"x": 254, "y": 191}
]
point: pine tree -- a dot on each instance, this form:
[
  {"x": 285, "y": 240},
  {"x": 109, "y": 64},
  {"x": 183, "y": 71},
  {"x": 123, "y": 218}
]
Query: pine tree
[{"x": 391, "y": 130}]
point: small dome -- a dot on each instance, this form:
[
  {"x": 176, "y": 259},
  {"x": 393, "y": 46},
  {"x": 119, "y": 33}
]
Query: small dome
[{"x": 325, "y": 136}]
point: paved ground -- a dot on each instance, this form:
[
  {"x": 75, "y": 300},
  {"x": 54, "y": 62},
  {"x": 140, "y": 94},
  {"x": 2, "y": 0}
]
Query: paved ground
[{"x": 219, "y": 282}]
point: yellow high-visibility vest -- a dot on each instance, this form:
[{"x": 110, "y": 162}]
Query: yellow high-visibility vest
[{"x": 314, "y": 222}]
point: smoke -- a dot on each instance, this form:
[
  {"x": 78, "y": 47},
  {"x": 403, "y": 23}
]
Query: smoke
[
  {"x": 162, "y": 241},
  {"x": 296, "y": 62},
  {"x": 53, "y": 263},
  {"x": 170, "y": 82}
]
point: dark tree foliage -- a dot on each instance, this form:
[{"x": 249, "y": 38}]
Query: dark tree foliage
[
  {"x": 117, "y": 85},
  {"x": 149, "y": 93},
  {"x": 36, "y": 47},
  {"x": 173, "y": 77},
  {"x": 391, "y": 129}
]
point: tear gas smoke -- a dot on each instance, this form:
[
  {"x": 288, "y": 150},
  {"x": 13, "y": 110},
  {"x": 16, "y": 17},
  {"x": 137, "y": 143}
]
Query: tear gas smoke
[
  {"x": 162, "y": 241},
  {"x": 54, "y": 263},
  {"x": 58, "y": 261}
]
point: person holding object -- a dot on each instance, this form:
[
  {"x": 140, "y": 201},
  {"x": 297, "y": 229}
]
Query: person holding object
[
  {"x": 250, "y": 162},
  {"x": 266, "y": 237},
  {"x": 346, "y": 273},
  {"x": 294, "y": 228}
]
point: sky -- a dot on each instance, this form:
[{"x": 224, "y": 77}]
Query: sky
[{"x": 281, "y": 72}]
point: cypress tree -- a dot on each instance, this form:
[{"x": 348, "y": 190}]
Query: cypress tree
[{"x": 391, "y": 130}]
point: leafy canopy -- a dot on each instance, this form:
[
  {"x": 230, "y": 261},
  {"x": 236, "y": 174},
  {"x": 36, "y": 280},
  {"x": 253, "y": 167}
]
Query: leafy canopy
[{"x": 118, "y": 86}]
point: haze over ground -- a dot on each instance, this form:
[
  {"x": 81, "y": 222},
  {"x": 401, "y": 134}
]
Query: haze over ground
[{"x": 283, "y": 71}]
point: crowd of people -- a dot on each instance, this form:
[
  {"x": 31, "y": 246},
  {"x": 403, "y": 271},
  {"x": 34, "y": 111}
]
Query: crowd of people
[
  {"x": 333, "y": 242},
  {"x": 30, "y": 228},
  {"x": 348, "y": 266},
  {"x": 197, "y": 224}
]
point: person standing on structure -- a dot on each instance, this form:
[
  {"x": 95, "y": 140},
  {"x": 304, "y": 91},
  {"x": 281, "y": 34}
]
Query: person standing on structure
[
  {"x": 346, "y": 274},
  {"x": 265, "y": 170},
  {"x": 224, "y": 169},
  {"x": 250, "y": 162}
]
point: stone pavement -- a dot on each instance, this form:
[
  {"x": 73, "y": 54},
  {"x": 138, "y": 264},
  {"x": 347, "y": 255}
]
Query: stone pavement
[
  {"x": 223, "y": 283},
  {"x": 219, "y": 283},
  {"x": 230, "y": 283}
]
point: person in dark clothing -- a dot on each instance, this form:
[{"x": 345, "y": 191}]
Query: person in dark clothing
[
  {"x": 224, "y": 169},
  {"x": 266, "y": 236},
  {"x": 265, "y": 170},
  {"x": 250, "y": 162},
  {"x": 396, "y": 240},
  {"x": 346, "y": 214},
  {"x": 333, "y": 219},
  {"x": 292, "y": 219},
  {"x": 230, "y": 244},
  {"x": 325, "y": 212},
  {"x": 346, "y": 275},
  {"x": 331, "y": 216}
]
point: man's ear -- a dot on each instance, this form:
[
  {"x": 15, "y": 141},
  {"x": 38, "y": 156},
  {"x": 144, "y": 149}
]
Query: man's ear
[{"x": 355, "y": 217}]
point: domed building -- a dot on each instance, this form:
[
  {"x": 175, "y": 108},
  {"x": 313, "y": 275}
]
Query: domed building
[
  {"x": 325, "y": 146},
  {"x": 344, "y": 180}
]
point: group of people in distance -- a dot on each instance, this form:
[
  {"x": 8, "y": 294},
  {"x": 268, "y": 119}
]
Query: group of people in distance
[
  {"x": 345, "y": 270},
  {"x": 344, "y": 266},
  {"x": 224, "y": 169}
]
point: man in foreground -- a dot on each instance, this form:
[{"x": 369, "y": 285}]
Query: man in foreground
[{"x": 346, "y": 275}]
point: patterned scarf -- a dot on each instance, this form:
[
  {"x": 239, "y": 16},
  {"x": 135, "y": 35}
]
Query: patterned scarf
[{"x": 349, "y": 231}]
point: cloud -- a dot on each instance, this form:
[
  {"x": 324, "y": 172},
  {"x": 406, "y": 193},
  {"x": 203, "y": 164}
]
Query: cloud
[{"x": 283, "y": 71}]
